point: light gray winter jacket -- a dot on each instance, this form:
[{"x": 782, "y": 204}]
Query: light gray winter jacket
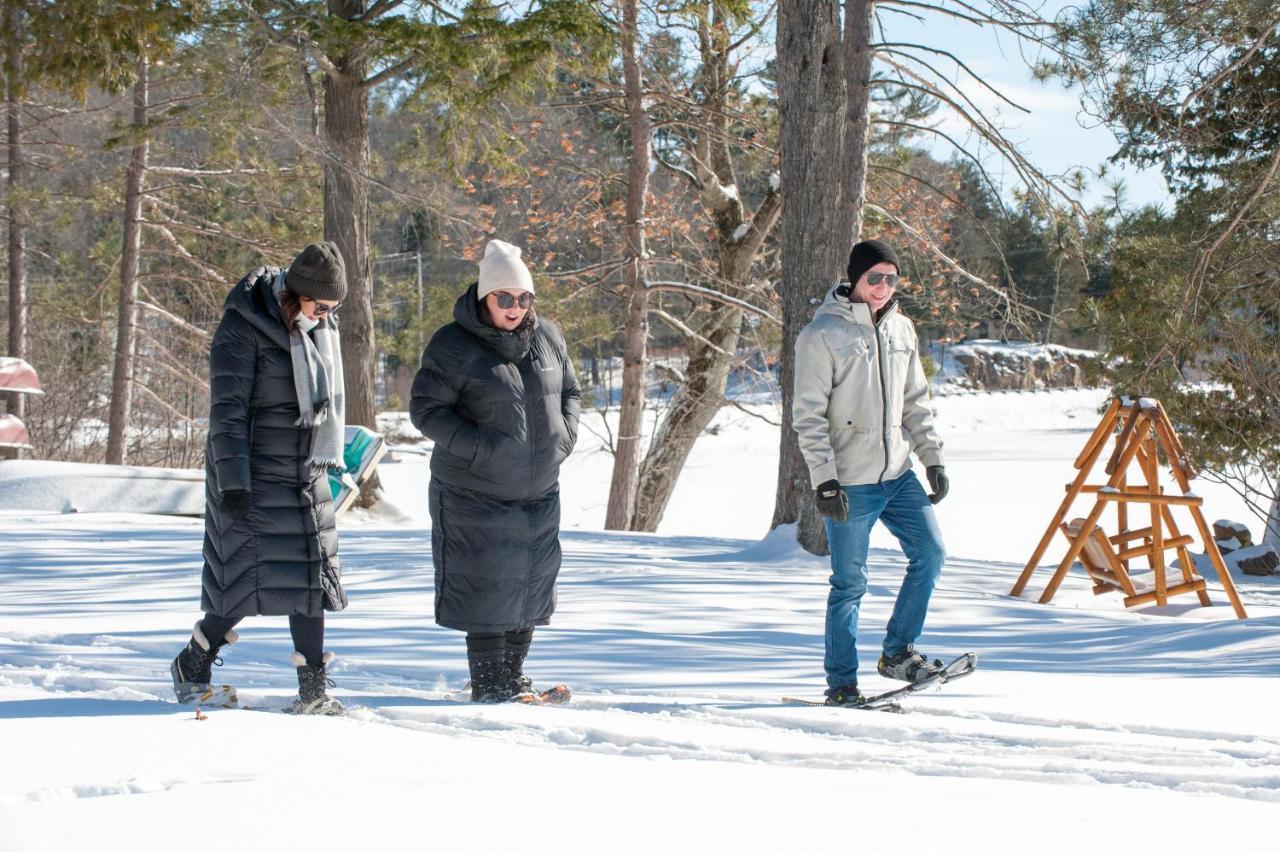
[{"x": 861, "y": 399}]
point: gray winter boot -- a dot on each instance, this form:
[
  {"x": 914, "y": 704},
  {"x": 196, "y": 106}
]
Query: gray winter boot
[
  {"x": 313, "y": 682},
  {"x": 192, "y": 670},
  {"x": 909, "y": 665}
]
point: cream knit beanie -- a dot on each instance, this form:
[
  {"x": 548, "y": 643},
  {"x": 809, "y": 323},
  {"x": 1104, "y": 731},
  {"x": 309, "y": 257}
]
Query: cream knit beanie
[{"x": 502, "y": 269}]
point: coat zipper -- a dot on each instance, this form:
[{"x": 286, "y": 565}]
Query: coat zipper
[{"x": 884, "y": 391}]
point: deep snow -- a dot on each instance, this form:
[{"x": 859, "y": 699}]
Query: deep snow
[{"x": 1086, "y": 723}]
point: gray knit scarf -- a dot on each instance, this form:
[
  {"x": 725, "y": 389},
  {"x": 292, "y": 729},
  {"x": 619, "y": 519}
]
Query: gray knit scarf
[{"x": 317, "y": 379}]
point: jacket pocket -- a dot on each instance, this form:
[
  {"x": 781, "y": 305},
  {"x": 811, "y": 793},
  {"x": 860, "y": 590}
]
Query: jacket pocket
[
  {"x": 855, "y": 347},
  {"x": 848, "y": 438},
  {"x": 484, "y": 451}
]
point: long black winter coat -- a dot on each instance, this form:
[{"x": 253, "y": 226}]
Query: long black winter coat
[
  {"x": 283, "y": 558},
  {"x": 502, "y": 408}
]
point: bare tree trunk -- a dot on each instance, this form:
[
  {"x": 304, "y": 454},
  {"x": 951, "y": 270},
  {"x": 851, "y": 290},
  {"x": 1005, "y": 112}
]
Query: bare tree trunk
[
  {"x": 1053, "y": 304},
  {"x": 858, "y": 18},
  {"x": 346, "y": 222},
  {"x": 738, "y": 242},
  {"x": 692, "y": 409},
  {"x": 17, "y": 348},
  {"x": 811, "y": 97},
  {"x": 127, "y": 310},
  {"x": 1271, "y": 535},
  {"x": 622, "y": 488}
]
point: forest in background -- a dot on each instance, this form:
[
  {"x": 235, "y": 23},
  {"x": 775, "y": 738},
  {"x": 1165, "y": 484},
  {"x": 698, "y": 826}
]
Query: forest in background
[{"x": 158, "y": 151}]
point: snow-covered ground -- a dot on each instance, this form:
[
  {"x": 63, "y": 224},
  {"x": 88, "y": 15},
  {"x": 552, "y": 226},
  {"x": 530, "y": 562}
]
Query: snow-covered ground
[{"x": 1086, "y": 723}]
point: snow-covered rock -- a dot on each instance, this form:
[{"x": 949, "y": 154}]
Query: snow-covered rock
[
  {"x": 991, "y": 365},
  {"x": 1232, "y": 534}
]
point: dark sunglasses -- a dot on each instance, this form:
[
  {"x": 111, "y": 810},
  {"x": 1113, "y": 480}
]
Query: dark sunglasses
[
  {"x": 874, "y": 278},
  {"x": 321, "y": 309},
  {"x": 506, "y": 300}
]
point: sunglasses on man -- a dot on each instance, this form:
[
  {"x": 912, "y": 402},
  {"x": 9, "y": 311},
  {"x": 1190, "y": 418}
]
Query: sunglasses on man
[
  {"x": 507, "y": 300},
  {"x": 876, "y": 278},
  {"x": 321, "y": 308}
]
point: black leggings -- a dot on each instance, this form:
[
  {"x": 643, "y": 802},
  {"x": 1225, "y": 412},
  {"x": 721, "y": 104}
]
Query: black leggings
[
  {"x": 481, "y": 642},
  {"x": 307, "y": 632}
]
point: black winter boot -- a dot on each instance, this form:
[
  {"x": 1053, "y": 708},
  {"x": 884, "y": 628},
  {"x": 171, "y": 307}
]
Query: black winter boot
[
  {"x": 489, "y": 683},
  {"x": 517, "y": 648},
  {"x": 313, "y": 682},
  {"x": 192, "y": 669}
]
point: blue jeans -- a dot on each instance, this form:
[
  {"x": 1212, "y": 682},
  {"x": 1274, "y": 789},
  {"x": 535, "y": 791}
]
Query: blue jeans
[{"x": 905, "y": 509}]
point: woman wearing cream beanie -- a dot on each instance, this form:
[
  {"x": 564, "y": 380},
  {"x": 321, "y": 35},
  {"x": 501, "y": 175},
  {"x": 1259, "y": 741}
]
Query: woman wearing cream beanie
[{"x": 498, "y": 395}]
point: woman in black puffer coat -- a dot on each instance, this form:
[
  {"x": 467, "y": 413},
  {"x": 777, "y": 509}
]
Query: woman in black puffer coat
[
  {"x": 275, "y": 430},
  {"x": 498, "y": 395}
]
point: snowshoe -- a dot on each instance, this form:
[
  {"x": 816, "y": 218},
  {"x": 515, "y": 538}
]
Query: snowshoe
[{"x": 192, "y": 671}]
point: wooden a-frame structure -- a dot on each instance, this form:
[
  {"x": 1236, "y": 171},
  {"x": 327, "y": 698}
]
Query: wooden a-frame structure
[{"x": 1144, "y": 428}]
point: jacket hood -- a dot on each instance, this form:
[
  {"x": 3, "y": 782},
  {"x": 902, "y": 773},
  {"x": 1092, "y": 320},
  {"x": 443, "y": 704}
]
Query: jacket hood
[
  {"x": 854, "y": 312},
  {"x": 254, "y": 300},
  {"x": 512, "y": 345}
]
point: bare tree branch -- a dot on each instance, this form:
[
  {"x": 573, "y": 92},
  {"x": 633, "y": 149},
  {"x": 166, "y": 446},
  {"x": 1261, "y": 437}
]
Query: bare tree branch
[
  {"x": 946, "y": 259},
  {"x": 687, "y": 331},
  {"x": 892, "y": 47},
  {"x": 713, "y": 295}
]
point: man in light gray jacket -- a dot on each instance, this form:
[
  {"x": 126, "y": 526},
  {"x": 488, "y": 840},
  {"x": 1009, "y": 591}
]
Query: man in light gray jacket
[{"x": 861, "y": 408}]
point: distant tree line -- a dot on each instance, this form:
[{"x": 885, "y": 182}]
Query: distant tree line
[{"x": 677, "y": 184}]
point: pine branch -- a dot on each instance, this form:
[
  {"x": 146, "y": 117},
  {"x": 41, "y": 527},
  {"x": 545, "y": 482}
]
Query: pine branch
[
  {"x": 1268, "y": 32},
  {"x": 295, "y": 38},
  {"x": 1196, "y": 281}
]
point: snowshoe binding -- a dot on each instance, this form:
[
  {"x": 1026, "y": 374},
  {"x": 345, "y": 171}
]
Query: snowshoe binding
[{"x": 192, "y": 671}]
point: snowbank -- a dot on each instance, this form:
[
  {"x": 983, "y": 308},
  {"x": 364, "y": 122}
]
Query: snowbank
[{"x": 47, "y": 486}]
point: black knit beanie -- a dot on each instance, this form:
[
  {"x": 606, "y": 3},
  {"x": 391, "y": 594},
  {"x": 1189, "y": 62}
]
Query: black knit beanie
[
  {"x": 867, "y": 254},
  {"x": 318, "y": 273}
]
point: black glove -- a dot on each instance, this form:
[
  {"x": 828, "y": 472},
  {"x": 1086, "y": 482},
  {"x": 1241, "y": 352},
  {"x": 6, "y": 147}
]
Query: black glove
[
  {"x": 832, "y": 502},
  {"x": 938, "y": 481},
  {"x": 236, "y": 504}
]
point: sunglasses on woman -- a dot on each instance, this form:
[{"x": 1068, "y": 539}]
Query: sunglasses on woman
[
  {"x": 507, "y": 300},
  {"x": 889, "y": 278},
  {"x": 321, "y": 308}
]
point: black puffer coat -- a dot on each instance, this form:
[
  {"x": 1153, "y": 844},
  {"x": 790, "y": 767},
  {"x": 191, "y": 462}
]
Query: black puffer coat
[
  {"x": 283, "y": 558},
  {"x": 502, "y": 408}
]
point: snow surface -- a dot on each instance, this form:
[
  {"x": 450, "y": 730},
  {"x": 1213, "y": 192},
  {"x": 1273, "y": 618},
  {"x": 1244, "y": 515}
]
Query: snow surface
[{"x": 1086, "y": 722}]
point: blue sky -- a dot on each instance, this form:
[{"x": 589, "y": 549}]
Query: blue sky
[{"x": 1056, "y": 135}]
